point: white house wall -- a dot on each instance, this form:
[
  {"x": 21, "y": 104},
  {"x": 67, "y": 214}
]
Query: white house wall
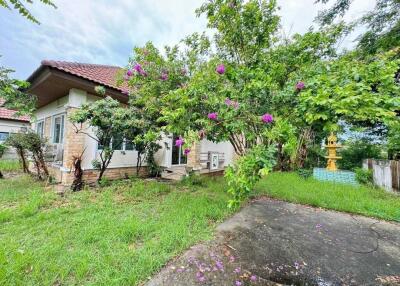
[
  {"x": 11, "y": 126},
  {"x": 163, "y": 157},
  {"x": 222, "y": 147}
]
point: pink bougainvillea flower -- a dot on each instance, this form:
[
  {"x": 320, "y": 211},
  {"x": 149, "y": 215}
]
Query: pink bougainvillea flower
[
  {"x": 300, "y": 85},
  {"x": 179, "y": 142},
  {"x": 138, "y": 68},
  {"x": 164, "y": 76},
  {"x": 237, "y": 270},
  {"x": 143, "y": 73},
  {"x": 228, "y": 102},
  {"x": 129, "y": 73},
  {"x": 219, "y": 265},
  {"x": 267, "y": 118},
  {"x": 200, "y": 276},
  {"x": 238, "y": 283},
  {"x": 213, "y": 116},
  {"x": 126, "y": 77},
  {"x": 253, "y": 278},
  {"x": 220, "y": 69},
  {"x": 187, "y": 151},
  {"x": 232, "y": 259}
]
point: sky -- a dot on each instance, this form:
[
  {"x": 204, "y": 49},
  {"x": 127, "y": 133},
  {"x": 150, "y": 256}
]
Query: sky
[{"x": 105, "y": 31}]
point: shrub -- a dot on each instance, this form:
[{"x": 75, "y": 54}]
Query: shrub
[
  {"x": 2, "y": 149},
  {"x": 247, "y": 170},
  {"x": 356, "y": 151},
  {"x": 364, "y": 176},
  {"x": 305, "y": 173}
]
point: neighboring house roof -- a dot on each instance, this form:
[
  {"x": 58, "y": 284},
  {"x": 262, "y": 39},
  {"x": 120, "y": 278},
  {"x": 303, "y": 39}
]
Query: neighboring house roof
[
  {"x": 102, "y": 74},
  {"x": 9, "y": 114}
]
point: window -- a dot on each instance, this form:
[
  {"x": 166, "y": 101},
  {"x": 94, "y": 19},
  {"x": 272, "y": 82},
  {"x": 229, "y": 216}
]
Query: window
[
  {"x": 129, "y": 145},
  {"x": 58, "y": 129},
  {"x": 118, "y": 144},
  {"x": 4, "y": 136},
  {"x": 40, "y": 128}
]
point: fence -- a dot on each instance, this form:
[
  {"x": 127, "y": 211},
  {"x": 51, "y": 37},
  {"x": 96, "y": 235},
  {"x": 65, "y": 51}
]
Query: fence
[{"x": 386, "y": 173}]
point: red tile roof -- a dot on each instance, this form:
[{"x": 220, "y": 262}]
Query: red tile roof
[
  {"x": 9, "y": 114},
  {"x": 101, "y": 74}
]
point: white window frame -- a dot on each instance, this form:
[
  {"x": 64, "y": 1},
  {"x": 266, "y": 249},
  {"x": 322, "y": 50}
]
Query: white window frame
[
  {"x": 37, "y": 128},
  {"x": 1, "y": 141},
  {"x": 123, "y": 148},
  {"x": 53, "y": 126}
]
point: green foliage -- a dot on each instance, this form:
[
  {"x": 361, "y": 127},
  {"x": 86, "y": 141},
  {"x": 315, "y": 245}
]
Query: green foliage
[
  {"x": 364, "y": 176},
  {"x": 20, "y": 7},
  {"x": 30, "y": 142},
  {"x": 350, "y": 89},
  {"x": 2, "y": 149},
  {"x": 11, "y": 92},
  {"x": 194, "y": 180},
  {"x": 305, "y": 173},
  {"x": 247, "y": 170},
  {"x": 382, "y": 23},
  {"x": 394, "y": 140},
  {"x": 356, "y": 151},
  {"x": 361, "y": 199}
]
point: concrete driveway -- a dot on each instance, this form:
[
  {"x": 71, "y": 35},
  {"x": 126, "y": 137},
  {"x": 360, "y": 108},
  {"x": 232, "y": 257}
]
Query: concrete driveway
[{"x": 272, "y": 242}]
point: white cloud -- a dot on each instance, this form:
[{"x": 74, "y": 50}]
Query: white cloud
[{"x": 105, "y": 31}]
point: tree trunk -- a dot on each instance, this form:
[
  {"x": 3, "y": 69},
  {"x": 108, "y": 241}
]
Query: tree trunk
[
  {"x": 1, "y": 175},
  {"x": 37, "y": 165},
  {"x": 21, "y": 155},
  {"x": 77, "y": 184}
]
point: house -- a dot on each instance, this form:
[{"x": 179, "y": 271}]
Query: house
[
  {"x": 62, "y": 87},
  {"x": 10, "y": 123}
]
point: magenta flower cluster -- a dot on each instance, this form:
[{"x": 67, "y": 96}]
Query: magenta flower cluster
[
  {"x": 179, "y": 142},
  {"x": 220, "y": 69},
  {"x": 138, "y": 68},
  {"x": 164, "y": 76},
  {"x": 300, "y": 85},
  {"x": 213, "y": 116},
  {"x": 267, "y": 118}
]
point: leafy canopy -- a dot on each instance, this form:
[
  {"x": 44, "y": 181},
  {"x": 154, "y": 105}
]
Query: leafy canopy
[{"x": 21, "y": 8}]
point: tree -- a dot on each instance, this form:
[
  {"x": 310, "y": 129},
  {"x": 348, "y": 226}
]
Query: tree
[
  {"x": 105, "y": 117},
  {"x": 32, "y": 143},
  {"x": 382, "y": 23},
  {"x": 17, "y": 141},
  {"x": 20, "y": 7},
  {"x": 355, "y": 90},
  {"x": 15, "y": 98}
]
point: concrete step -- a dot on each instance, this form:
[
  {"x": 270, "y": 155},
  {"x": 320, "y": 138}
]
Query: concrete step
[{"x": 175, "y": 173}]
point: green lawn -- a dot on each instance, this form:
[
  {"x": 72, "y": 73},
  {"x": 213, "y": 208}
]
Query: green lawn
[
  {"x": 9, "y": 165},
  {"x": 360, "y": 200},
  {"x": 119, "y": 235}
]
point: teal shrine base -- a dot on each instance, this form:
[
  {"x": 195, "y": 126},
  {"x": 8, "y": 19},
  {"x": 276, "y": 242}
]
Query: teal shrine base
[{"x": 339, "y": 176}]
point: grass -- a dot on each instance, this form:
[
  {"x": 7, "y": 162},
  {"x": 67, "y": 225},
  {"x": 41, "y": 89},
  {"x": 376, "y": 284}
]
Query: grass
[
  {"x": 9, "y": 165},
  {"x": 372, "y": 202},
  {"x": 117, "y": 235}
]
